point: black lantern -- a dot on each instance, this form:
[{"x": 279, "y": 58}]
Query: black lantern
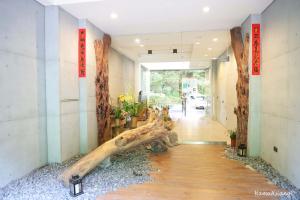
[
  {"x": 75, "y": 186},
  {"x": 242, "y": 150}
]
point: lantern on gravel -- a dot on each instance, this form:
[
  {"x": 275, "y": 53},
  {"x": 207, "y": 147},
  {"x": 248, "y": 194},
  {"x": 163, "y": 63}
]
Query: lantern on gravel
[
  {"x": 75, "y": 184},
  {"x": 242, "y": 150}
]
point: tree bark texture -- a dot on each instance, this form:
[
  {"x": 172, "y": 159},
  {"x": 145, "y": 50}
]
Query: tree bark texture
[
  {"x": 241, "y": 53},
  {"x": 103, "y": 108}
]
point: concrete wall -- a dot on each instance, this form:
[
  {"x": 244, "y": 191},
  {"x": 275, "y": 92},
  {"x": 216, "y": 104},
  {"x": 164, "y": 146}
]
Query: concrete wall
[
  {"x": 274, "y": 118},
  {"x": 121, "y": 75},
  {"x": 128, "y": 75},
  {"x": 69, "y": 85},
  {"x": 280, "y": 123},
  {"x": 24, "y": 83},
  {"x": 224, "y": 93},
  {"x": 23, "y": 142}
]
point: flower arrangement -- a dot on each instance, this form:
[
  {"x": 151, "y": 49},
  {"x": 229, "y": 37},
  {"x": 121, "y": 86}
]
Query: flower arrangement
[
  {"x": 125, "y": 98},
  {"x": 129, "y": 105}
]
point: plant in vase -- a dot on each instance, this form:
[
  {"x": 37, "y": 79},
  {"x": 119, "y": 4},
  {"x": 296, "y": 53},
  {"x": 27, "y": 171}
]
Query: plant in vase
[
  {"x": 132, "y": 108},
  {"x": 232, "y": 135},
  {"x": 126, "y": 102},
  {"x": 134, "y": 113},
  {"x": 117, "y": 115}
]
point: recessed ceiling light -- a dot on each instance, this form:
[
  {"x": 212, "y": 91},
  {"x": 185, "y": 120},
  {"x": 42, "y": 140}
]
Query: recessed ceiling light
[
  {"x": 141, "y": 45},
  {"x": 215, "y": 39},
  {"x": 137, "y": 40},
  {"x": 206, "y": 9},
  {"x": 197, "y": 43},
  {"x": 205, "y": 55},
  {"x": 114, "y": 15},
  {"x": 209, "y": 49},
  {"x": 214, "y": 58}
]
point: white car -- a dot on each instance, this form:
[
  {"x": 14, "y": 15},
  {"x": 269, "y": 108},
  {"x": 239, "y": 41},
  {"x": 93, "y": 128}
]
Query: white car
[{"x": 200, "y": 102}]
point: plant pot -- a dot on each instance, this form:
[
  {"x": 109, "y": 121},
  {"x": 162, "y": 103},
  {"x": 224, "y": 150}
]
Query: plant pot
[
  {"x": 233, "y": 143},
  {"x": 133, "y": 122},
  {"x": 117, "y": 122}
]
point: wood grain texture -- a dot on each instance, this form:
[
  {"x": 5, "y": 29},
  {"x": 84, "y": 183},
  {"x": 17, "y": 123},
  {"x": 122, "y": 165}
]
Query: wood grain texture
[
  {"x": 194, "y": 172},
  {"x": 241, "y": 54},
  {"x": 156, "y": 130},
  {"x": 103, "y": 108}
]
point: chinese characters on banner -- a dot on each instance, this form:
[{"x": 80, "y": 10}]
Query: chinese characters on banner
[
  {"x": 255, "y": 49},
  {"x": 81, "y": 53}
]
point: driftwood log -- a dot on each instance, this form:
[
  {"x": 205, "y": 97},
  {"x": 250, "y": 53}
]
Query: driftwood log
[
  {"x": 154, "y": 131},
  {"x": 102, "y": 89},
  {"x": 241, "y": 53}
]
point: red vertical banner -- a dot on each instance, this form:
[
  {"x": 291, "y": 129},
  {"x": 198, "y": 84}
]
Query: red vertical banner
[
  {"x": 256, "y": 49},
  {"x": 82, "y": 53}
]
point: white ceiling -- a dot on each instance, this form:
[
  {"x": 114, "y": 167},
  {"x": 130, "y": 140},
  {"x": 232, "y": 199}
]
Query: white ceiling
[
  {"x": 162, "y": 25},
  {"x": 191, "y": 46},
  {"x": 160, "y": 16}
]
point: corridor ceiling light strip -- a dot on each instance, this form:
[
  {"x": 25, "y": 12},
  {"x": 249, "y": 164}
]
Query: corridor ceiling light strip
[{"x": 167, "y": 65}]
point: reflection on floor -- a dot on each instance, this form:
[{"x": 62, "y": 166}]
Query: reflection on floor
[
  {"x": 193, "y": 172},
  {"x": 196, "y": 126}
]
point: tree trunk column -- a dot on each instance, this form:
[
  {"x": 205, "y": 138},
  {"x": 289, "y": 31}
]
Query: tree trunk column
[
  {"x": 102, "y": 89},
  {"x": 241, "y": 53}
]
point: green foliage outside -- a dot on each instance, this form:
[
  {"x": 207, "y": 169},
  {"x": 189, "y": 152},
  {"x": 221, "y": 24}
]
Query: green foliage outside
[{"x": 165, "y": 86}]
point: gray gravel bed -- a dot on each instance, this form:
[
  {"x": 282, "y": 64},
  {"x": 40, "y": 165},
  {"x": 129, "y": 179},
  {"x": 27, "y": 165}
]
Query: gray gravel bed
[
  {"x": 269, "y": 172},
  {"x": 127, "y": 168}
]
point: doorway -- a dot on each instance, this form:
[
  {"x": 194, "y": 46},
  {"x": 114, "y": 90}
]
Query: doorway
[{"x": 187, "y": 93}]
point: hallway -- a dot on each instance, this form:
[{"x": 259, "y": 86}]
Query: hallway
[
  {"x": 193, "y": 130},
  {"x": 193, "y": 172},
  {"x": 197, "y": 127},
  {"x": 93, "y": 93}
]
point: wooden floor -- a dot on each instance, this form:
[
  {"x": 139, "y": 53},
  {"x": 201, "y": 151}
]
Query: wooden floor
[
  {"x": 196, "y": 172},
  {"x": 196, "y": 126},
  {"x": 200, "y": 129}
]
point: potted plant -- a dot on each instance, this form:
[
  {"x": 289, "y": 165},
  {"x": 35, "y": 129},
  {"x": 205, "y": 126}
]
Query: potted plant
[
  {"x": 232, "y": 135},
  {"x": 117, "y": 115},
  {"x": 125, "y": 101},
  {"x": 134, "y": 113}
]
